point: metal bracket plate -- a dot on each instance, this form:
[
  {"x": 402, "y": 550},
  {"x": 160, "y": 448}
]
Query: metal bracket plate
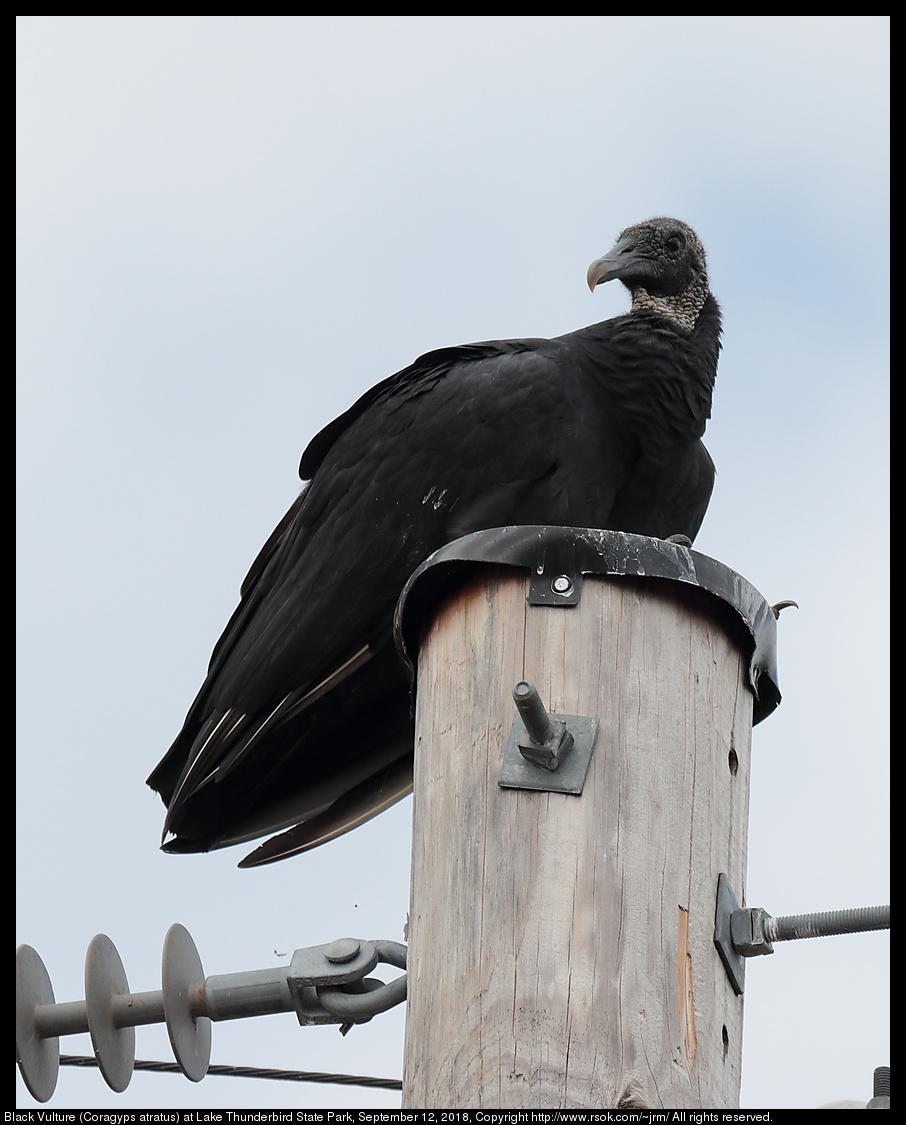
[
  {"x": 556, "y": 578},
  {"x": 555, "y": 587},
  {"x": 569, "y": 777},
  {"x": 727, "y": 906},
  {"x": 310, "y": 969}
]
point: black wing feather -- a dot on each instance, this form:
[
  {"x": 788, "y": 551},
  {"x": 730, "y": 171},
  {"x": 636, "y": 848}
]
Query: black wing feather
[{"x": 305, "y": 705}]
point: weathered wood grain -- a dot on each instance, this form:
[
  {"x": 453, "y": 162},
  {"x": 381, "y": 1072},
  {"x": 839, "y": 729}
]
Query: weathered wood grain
[{"x": 560, "y": 947}]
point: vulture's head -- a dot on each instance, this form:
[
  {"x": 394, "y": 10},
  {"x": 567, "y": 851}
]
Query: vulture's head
[{"x": 662, "y": 263}]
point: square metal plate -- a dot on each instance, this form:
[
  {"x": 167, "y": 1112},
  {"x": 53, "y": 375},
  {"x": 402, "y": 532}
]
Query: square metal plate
[{"x": 519, "y": 773}]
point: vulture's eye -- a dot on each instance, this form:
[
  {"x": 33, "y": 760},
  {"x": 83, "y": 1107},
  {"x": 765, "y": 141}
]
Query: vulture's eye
[{"x": 674, "y": 244}]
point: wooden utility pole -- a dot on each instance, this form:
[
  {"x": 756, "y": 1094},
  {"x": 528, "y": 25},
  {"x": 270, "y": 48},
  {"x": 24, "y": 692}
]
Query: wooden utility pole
[{"x": 561, "y": 947}]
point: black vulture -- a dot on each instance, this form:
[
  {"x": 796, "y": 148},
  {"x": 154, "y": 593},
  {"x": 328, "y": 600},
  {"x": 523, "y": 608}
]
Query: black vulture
[{"x": 304, "y": 719}]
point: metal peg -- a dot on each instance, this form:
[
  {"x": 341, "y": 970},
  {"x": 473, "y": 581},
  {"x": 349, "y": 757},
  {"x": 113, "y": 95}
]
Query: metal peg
[{"x": 548, "y": 741}]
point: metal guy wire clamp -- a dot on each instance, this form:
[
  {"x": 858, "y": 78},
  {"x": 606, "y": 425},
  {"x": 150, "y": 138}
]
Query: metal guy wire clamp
[
  {"x": 188, "y": 1002},
  {"x": 750, "y": 932}
]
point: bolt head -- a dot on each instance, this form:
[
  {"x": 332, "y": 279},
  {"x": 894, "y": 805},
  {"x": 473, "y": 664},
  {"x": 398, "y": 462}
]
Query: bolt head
[
  {"x": 562, "y": 585},
  {"x": 342, "y": 950}
]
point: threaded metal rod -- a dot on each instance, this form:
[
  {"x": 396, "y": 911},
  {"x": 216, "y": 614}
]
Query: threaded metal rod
[{"x": 859, "y": 920}]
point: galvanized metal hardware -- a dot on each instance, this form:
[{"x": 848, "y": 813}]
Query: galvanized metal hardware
[
  {"x": 750, "y": 932},
  {"x": 727, "y": 907},
  {"x": 546, "y": 741},
  {"x": 317, "y": 999},
  {"x": 359, "y": 1001},
  {"x": 880, "y": 1088},
  {"x": 313, "y": 986},
  {"x": 342, "y": 950},
  {"x": 546, "y": 752}
]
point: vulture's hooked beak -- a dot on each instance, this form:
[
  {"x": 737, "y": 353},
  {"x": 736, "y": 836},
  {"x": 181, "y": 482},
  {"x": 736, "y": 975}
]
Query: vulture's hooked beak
[{"x": 613, "y": 264}]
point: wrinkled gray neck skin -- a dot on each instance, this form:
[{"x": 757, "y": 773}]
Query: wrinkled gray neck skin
[{"x": 682, "y": 309}]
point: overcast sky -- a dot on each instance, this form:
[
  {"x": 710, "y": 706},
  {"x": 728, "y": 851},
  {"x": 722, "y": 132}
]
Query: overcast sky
[{"x": 231, "y": 227}]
